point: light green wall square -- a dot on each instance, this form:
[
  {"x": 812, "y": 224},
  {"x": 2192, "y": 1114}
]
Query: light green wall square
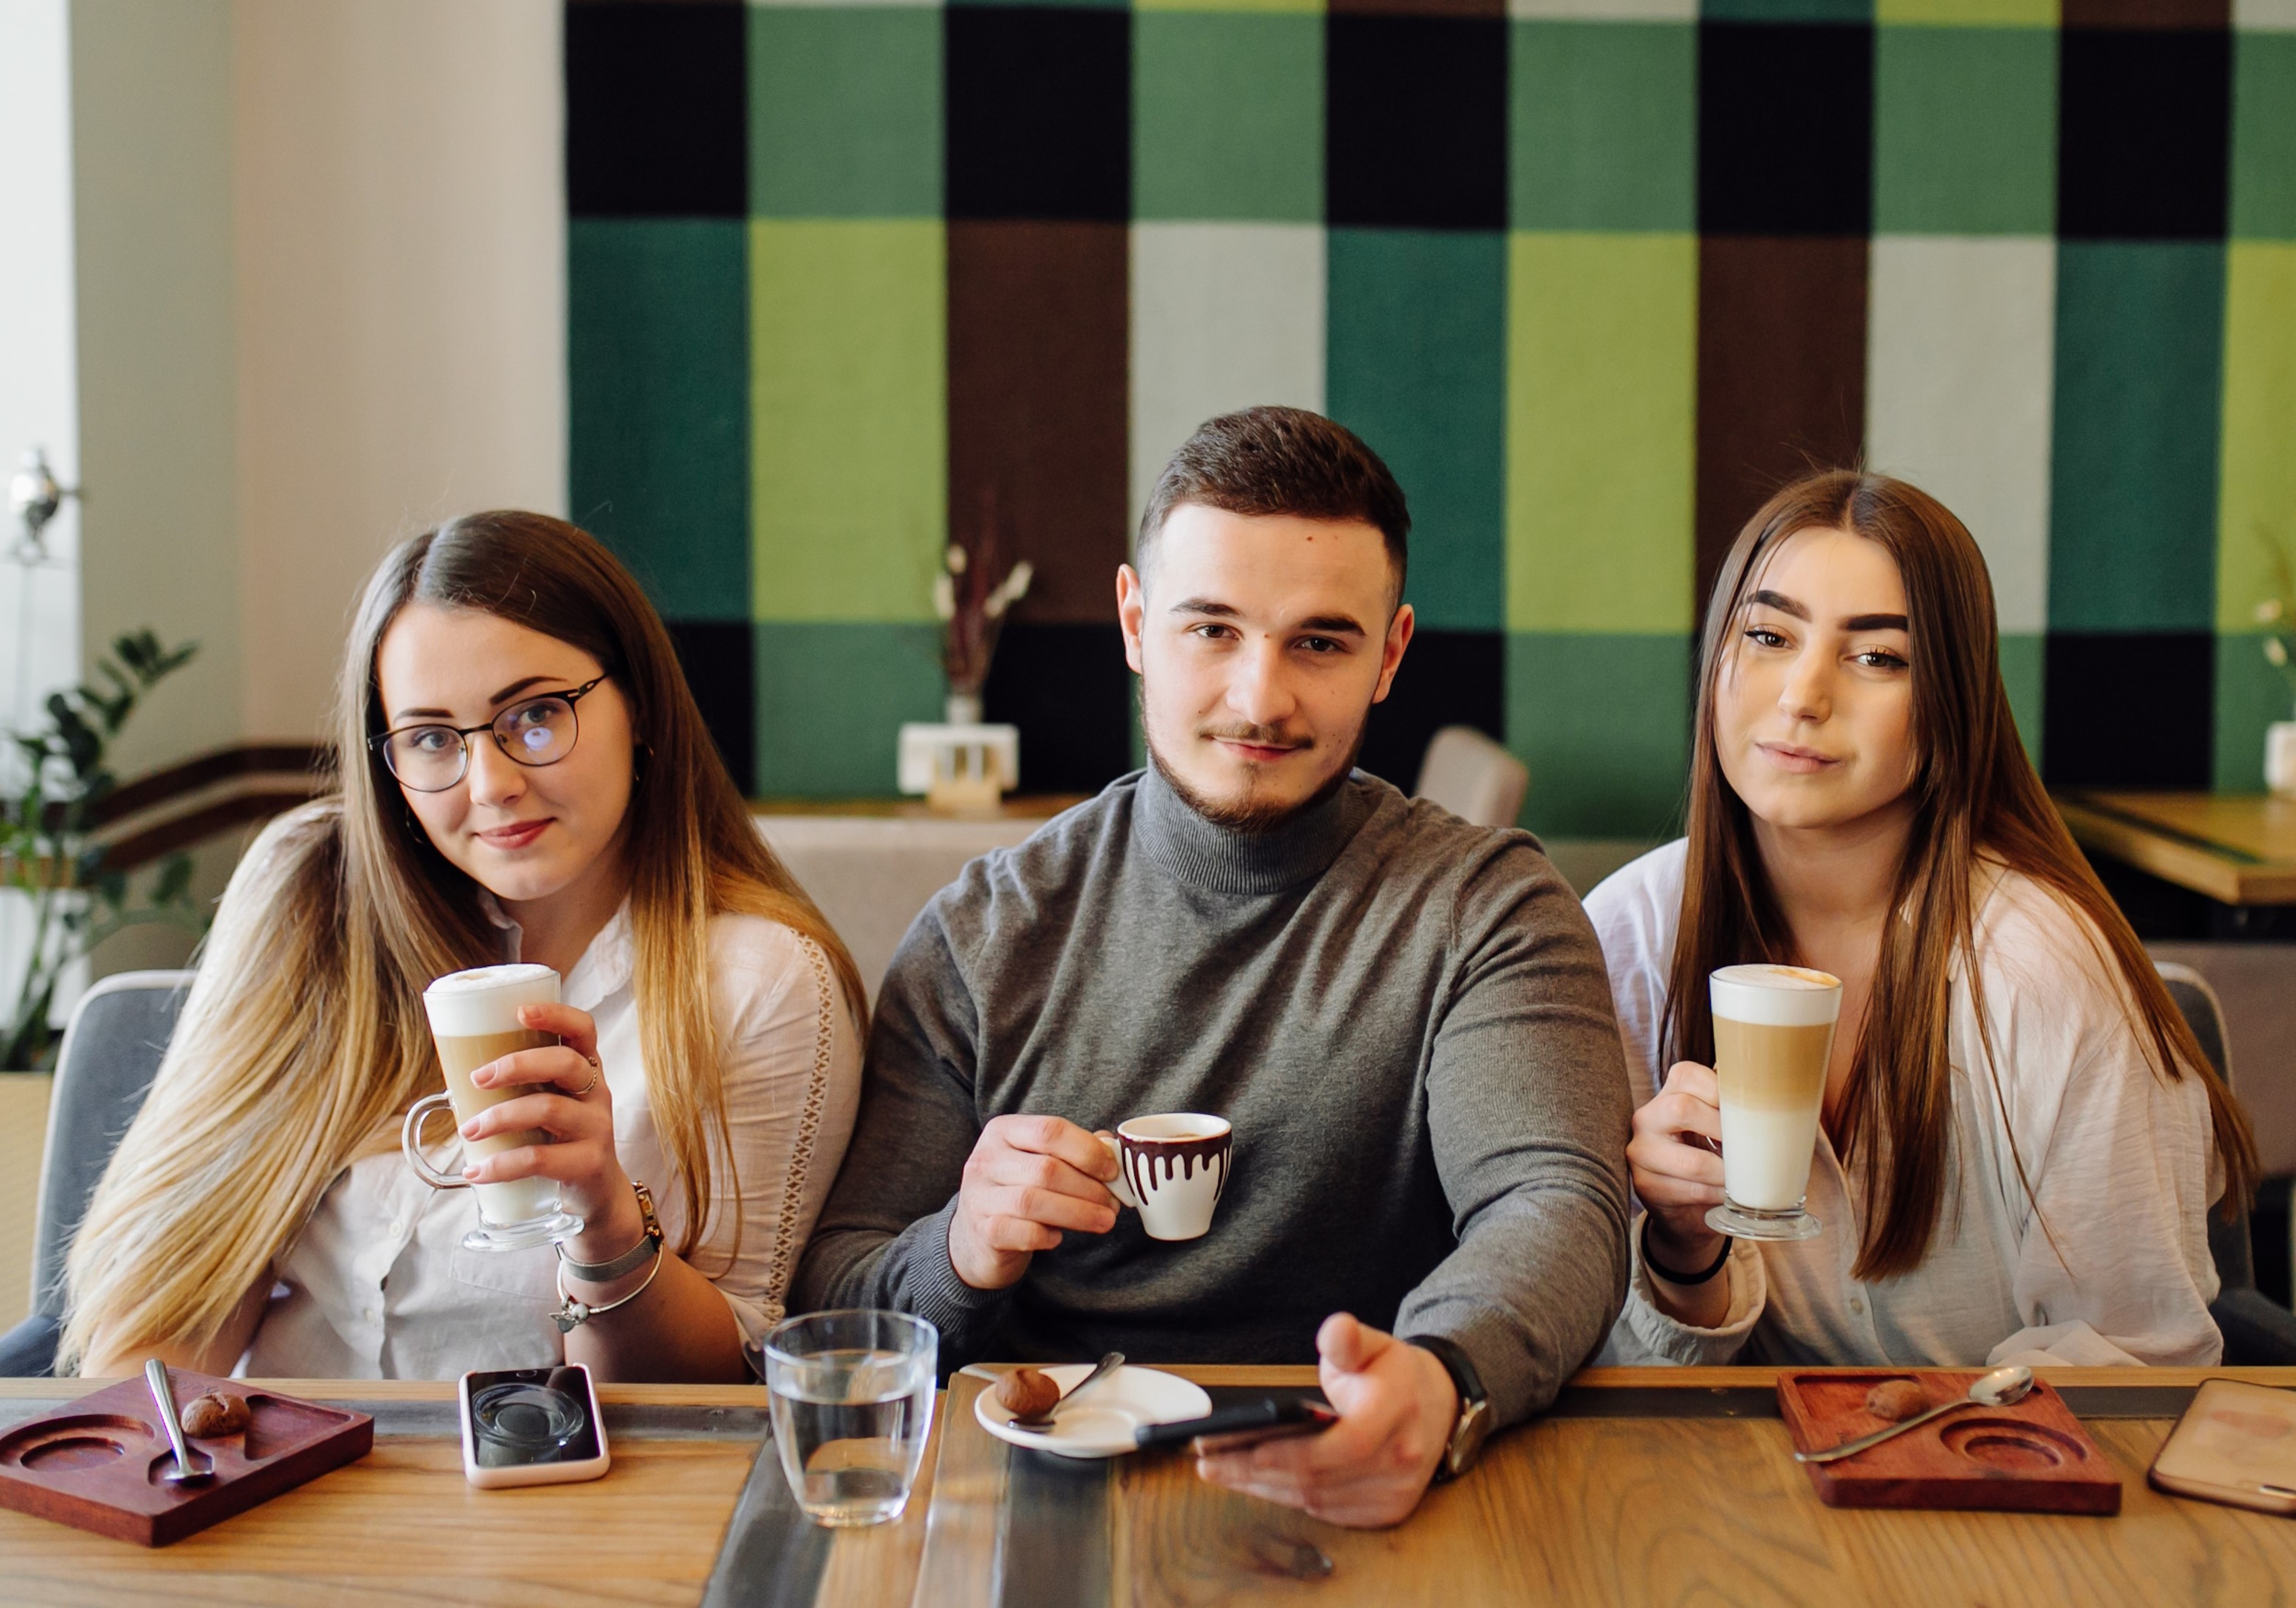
[
  {"x": 2257, "y": 496},
  {"x": 1606, "y": 120},
  {"x": 1969, "y": 13},
  {"x": 2022, "y": 657},
  {"x": 831, "y": 698},
  {"x": 2250, "y": 695},
  {"x": 1603, "y": 723},
  {"x": 1300, "y": 8},
  {"x": 1601, "y": 396},
  {"x": 1964, "y": 131},
  {"x": 1228, "y": 116},
  {"x": 2264, "y": 136},
  {"x": 845, "y": 111},
  {"x": 849, "y": 414}
]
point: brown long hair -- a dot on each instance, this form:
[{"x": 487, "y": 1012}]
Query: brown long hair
[
  {"x": 1975, "y": 796},
  {"x": 304, "y": 1036}
]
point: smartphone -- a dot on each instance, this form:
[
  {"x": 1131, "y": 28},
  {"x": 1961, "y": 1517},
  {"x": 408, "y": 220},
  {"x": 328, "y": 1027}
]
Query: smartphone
[
  {"x": 531, "y": 1427},
  {"x": 1232, "y": 1429},
  {"x": 2235, "y": 1444}
]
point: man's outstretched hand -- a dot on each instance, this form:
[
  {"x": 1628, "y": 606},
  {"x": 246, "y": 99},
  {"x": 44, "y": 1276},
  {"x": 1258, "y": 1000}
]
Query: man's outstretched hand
[{"x": 1396, "y": 1406}]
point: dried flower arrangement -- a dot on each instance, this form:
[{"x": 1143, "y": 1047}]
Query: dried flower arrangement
[{"x": 972, "y": 606}]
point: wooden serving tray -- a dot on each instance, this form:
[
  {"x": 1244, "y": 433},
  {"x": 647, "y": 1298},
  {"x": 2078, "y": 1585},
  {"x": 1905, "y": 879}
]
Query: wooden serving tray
[
  {"x": 98, "y": 1463},
  {"x": 2030, "y": 1458}
]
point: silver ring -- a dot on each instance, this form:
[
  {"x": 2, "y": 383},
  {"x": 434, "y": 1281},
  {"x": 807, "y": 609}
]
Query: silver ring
[{"x": 595, "y": 1074}]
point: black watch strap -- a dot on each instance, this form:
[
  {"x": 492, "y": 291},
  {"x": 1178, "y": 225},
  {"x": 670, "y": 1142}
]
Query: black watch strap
[{"x": 1473, "y": 1426}]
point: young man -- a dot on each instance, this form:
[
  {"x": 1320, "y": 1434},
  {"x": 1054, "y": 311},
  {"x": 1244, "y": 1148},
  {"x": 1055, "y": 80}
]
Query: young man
[{"x": 1405, "y": 1017}]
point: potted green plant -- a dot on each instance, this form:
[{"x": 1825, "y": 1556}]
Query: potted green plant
[{"x": 50, "y": 862}]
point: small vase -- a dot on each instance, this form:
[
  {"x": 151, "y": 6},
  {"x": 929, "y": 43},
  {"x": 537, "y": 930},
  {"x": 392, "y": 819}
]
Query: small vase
[
  {"x": 963, "y": 709},
  {"x": 2280, "y": 757}
]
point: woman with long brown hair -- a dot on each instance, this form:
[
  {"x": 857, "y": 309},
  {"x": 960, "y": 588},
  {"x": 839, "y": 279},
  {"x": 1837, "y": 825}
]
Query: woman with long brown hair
[
  {"x": 2020, "y": 1138},
  {"x": 524, "y": 776}
]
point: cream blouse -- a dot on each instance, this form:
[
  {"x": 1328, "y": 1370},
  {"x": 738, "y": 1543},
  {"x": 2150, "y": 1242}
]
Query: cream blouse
[
  {"x": 378, "y": 1286},
  {"x": 2120, "y": 1163}
]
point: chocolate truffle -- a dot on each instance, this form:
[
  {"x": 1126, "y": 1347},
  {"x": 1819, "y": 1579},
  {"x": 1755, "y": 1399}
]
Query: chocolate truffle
[
  {"x": 1895, "y": 1400},
  {"x": 1027, "y": 1393},
  {"x": 214, "y": 1414}
]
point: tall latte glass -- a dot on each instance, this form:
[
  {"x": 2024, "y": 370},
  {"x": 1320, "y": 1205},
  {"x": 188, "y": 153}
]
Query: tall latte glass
[
  {"x": 474, "y": 1019},
  {"x": 1774, "y": 1030}
]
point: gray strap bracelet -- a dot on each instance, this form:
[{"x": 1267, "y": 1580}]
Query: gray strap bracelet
[{"x": 649, "y": 1244}]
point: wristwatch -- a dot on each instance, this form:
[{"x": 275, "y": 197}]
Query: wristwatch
[
  {"x": 1474, "y": 1424},
  {"x": 649, "y": 1244}
]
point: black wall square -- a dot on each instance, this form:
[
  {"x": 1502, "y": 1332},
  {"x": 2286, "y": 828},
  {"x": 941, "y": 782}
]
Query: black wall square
[
  {"x": 657, "y": 119},
  {"x": 1415, "y": 122},
  {"x": 1066, "y": 687},
  {"x": 1785, "y": 128},
  {"x": 1040, "y": 114},
  {"x": 715, "y": 656},
  {"x": 1449, "y": 677},
  {"x": 2143, "y": 134},
  {"x": 2129, "y": 709}
]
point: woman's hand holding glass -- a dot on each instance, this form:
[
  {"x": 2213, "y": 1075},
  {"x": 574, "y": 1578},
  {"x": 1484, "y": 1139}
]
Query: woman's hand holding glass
[
  {"x": 570, "y": 1102},
  {"x": 1676, "y": 1154}
]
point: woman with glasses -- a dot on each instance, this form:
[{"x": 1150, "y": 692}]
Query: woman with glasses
[{"x": 524, "y": 776}]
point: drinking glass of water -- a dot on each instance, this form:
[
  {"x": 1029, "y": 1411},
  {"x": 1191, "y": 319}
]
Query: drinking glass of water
[{"x": 852, "y": 1402}]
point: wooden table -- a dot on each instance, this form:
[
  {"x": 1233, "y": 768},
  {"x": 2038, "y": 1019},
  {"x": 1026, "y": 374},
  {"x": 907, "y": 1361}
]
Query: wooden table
[
  {"x": 2233, "y": 849},
  {"x": 1643, "y": 1486}
]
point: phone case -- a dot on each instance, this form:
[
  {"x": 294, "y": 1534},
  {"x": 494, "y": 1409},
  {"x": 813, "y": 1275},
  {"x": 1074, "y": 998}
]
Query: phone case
[
  {"x": 530, "y": 1473},
  {"x": 2236, "y": 1444}
]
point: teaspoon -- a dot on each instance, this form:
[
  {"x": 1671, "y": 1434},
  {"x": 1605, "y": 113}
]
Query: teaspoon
[
  {"x": 185, "y": 1472},
  {"x": 1998, "y": 1389},
  {"x": 1107, "y": 1366}
]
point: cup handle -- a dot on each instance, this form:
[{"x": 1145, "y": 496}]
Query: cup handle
[
  {"x": 1118, "y": 1187},
  {"x": 411, "y": 1143}
]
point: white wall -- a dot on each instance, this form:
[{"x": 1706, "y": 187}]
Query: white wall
[{"x": 401, "y": 305}]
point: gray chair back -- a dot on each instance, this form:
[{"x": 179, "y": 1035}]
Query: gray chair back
[{"x": 111, "y": 1048}]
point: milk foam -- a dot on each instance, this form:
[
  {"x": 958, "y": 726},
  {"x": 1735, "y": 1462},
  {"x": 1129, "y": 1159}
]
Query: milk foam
[
  {"x": 464, "y": 1005},
  {"x": 1775, "y": 996},
  {"x": 1766, "y": 1155}
]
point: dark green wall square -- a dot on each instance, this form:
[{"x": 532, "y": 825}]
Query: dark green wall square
[
  {"x": 1416, "y": 365},
  {"x": 1787, "y": 10},
  {"x": 658, "y": 376},
  {"x": 831, "y": 698},
  {"x": 1964, "y": 131},
  {"x": 1228, "y": 116},
  {"x": 845, "y": 112},
  {"x": 1605, "y": 125},
  {"x": 2133, "y": 475},
  {"x": 1603, "y": 723},
  {"x": 2022, "y": 658},
  {"x": 2264, "y": 136}
]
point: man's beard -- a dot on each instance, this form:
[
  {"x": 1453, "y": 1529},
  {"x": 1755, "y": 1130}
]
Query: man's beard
[{"x": 1253, "y": 815}]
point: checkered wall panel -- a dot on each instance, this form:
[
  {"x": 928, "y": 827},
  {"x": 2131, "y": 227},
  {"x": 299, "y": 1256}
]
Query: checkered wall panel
[{"x": 1592, "y": 275}]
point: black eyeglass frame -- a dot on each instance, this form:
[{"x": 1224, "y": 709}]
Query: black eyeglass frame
[{"x": 463, "y": 733}]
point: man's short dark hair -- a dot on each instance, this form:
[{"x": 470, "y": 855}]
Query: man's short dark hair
[{"x": 1266, "y": 461}]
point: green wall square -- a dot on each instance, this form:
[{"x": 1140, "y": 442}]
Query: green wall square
[
  {"x": 2132, "y": 525},
  {"x": 831, "y": 698},
  {"x": 1416, "y": 366},
  {"x": 659, "y": 402},
  {"x": 1603, "y": 723},
  {"x": 1601, "y": 401},
  {"x": 1969, "y": 13},
  {"x": 845, "y": 111},
  {"x": 2264, "y": 136},
  {"x": 2257, "y": 493},
  {"x": 2022, "y": 656},
  {"x": 2250, "y": 695},
  {"x": 1605, "y": 125},
  {"x": 1228, "y": 116},
  {"x": 1964, "y": 131},
  {"x": 850, "y": 417},
  {"x": 1787, "y": 10}
]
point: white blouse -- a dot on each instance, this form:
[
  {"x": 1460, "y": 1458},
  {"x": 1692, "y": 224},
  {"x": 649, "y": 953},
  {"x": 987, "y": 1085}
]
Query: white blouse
[
  {"x": 378, "y": 1286},
  {"x": 2122, "y": 1163}
]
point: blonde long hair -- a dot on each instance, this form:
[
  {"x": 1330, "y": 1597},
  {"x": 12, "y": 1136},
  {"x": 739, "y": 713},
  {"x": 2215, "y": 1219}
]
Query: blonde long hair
[{"x": 304, "y": 1036}]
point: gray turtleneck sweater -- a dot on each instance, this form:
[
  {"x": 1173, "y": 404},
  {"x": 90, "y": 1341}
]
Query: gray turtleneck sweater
[{"x": 1405, "y": 1017}]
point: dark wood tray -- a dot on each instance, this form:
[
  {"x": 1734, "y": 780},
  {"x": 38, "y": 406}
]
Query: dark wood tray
[
  {"x": 96, "y": 1464},
  {"x": 2032, "y": 1457}
]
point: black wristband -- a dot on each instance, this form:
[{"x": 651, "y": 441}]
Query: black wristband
[{"x": 1681, "y": 1280}]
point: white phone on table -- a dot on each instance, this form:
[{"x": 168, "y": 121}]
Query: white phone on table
[{"x": 531, "y": 1427}]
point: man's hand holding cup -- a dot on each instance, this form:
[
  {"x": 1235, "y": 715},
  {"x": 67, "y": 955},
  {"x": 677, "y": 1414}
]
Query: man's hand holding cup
[{"x": 1028, "y": 1181}]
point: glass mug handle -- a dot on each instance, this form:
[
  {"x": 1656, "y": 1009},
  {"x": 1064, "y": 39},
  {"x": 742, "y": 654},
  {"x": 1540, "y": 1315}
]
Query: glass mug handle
[
  {"x": 411, "y": 1143},
  {"x": 1119, "y": 1188}
]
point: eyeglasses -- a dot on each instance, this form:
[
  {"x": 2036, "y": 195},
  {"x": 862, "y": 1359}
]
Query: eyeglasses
[{"x": 533, "y": 732}]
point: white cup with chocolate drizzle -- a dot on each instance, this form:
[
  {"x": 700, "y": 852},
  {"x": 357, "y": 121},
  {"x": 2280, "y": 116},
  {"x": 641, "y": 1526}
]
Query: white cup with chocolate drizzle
[{"x": 1171, "y": 1169}]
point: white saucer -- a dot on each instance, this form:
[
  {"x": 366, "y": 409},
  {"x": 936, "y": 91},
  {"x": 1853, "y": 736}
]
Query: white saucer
[{"x": 1100, "y": 1425}]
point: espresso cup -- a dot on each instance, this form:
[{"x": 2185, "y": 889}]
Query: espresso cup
[
  {"x": 1773, "y": 1031},
  {"x": 474, "y": 1019},
  {"x": 1171, "y": 1169}
]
